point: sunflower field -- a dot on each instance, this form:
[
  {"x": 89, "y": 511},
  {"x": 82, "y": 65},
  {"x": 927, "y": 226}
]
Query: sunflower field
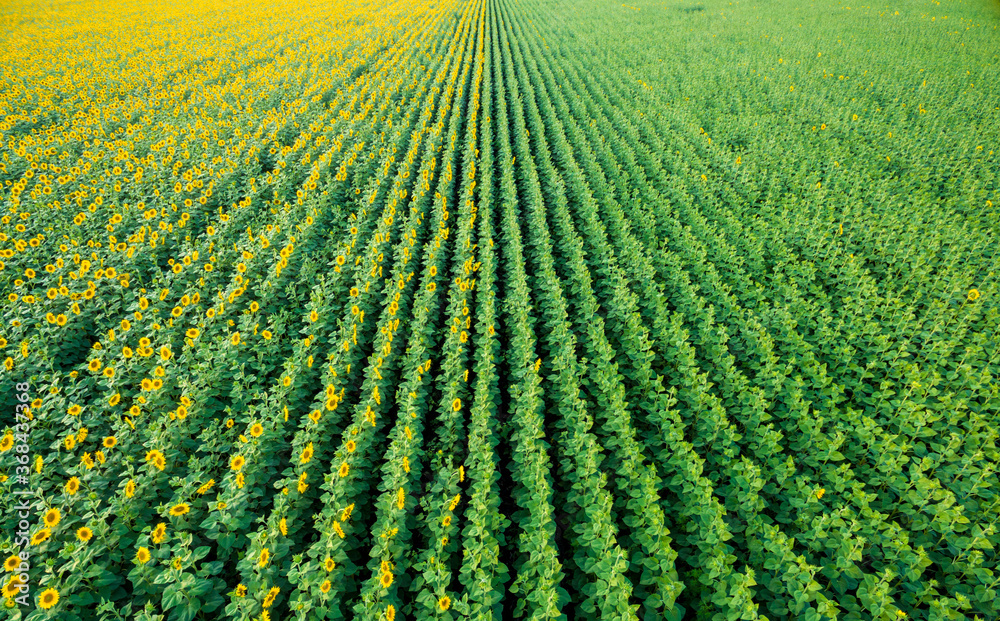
[{"x": 386, "y": 310}]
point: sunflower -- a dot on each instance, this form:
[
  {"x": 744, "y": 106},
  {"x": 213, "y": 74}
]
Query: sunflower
[
  {"x": 390, "y": 613},
  {"x": 271, "y": 595},
  {"x": 444, "y": 603},
  {"x": 283, "y": 527},
  {"x": 307, "y": 454},
  {"x": 73, "y": 486},
  {"x": 142, "y": 556},
  {"x": 156, "y": 458},
  {"x": 325, "y": 587},
  {"x": 973, "y": 295},
  {"x": 13, "y": 587},
  {"x": 329, "y": 564},
  {"x": 130, "y": 488},
  {"x": 241, "y": 590},
  {"x": 385, "y": 580},
  {"x": 345, "y": 469},
  {"x": 180, "y": 509},
  {"x": 48, "y": 599},
  {"x": 12, "y": 563},
  {"x": 456, "y": 405},
  {"x": 40, "y": 536},
  {"x": 52, "y": 517},
  {"x": 158, "y": 533},
  {"x": 265, "y": 558},
  {"x": 256, "y": 430},
  {"x": 237, "y": 462},
  {"x": 7, "y": 443}
]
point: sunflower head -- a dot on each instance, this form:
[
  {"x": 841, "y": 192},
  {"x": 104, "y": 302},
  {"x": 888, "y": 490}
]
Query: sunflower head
[
  {"x": 84, "y": 534},
  {"x": 48, "y": 599},
  {"x": 13, "y": 587},
  {"x": 158, "y": 533},
  {"x": 40, "y": 536}
]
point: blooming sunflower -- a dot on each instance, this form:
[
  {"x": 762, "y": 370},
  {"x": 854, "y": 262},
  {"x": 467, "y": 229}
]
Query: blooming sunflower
[
  {"x": 41, "y": 536},
  {"x": 271, "y": 595},
  {"x": 84, "y": 534},
  {"x": 156, "y": 458},
  {"x": 13, "y": 587},
  {"x": 180, "y": 509},
  {"x": 48, "y": 599},
  {"x": 142, "y": 556},
  {"x": 158, "y": 533}
]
